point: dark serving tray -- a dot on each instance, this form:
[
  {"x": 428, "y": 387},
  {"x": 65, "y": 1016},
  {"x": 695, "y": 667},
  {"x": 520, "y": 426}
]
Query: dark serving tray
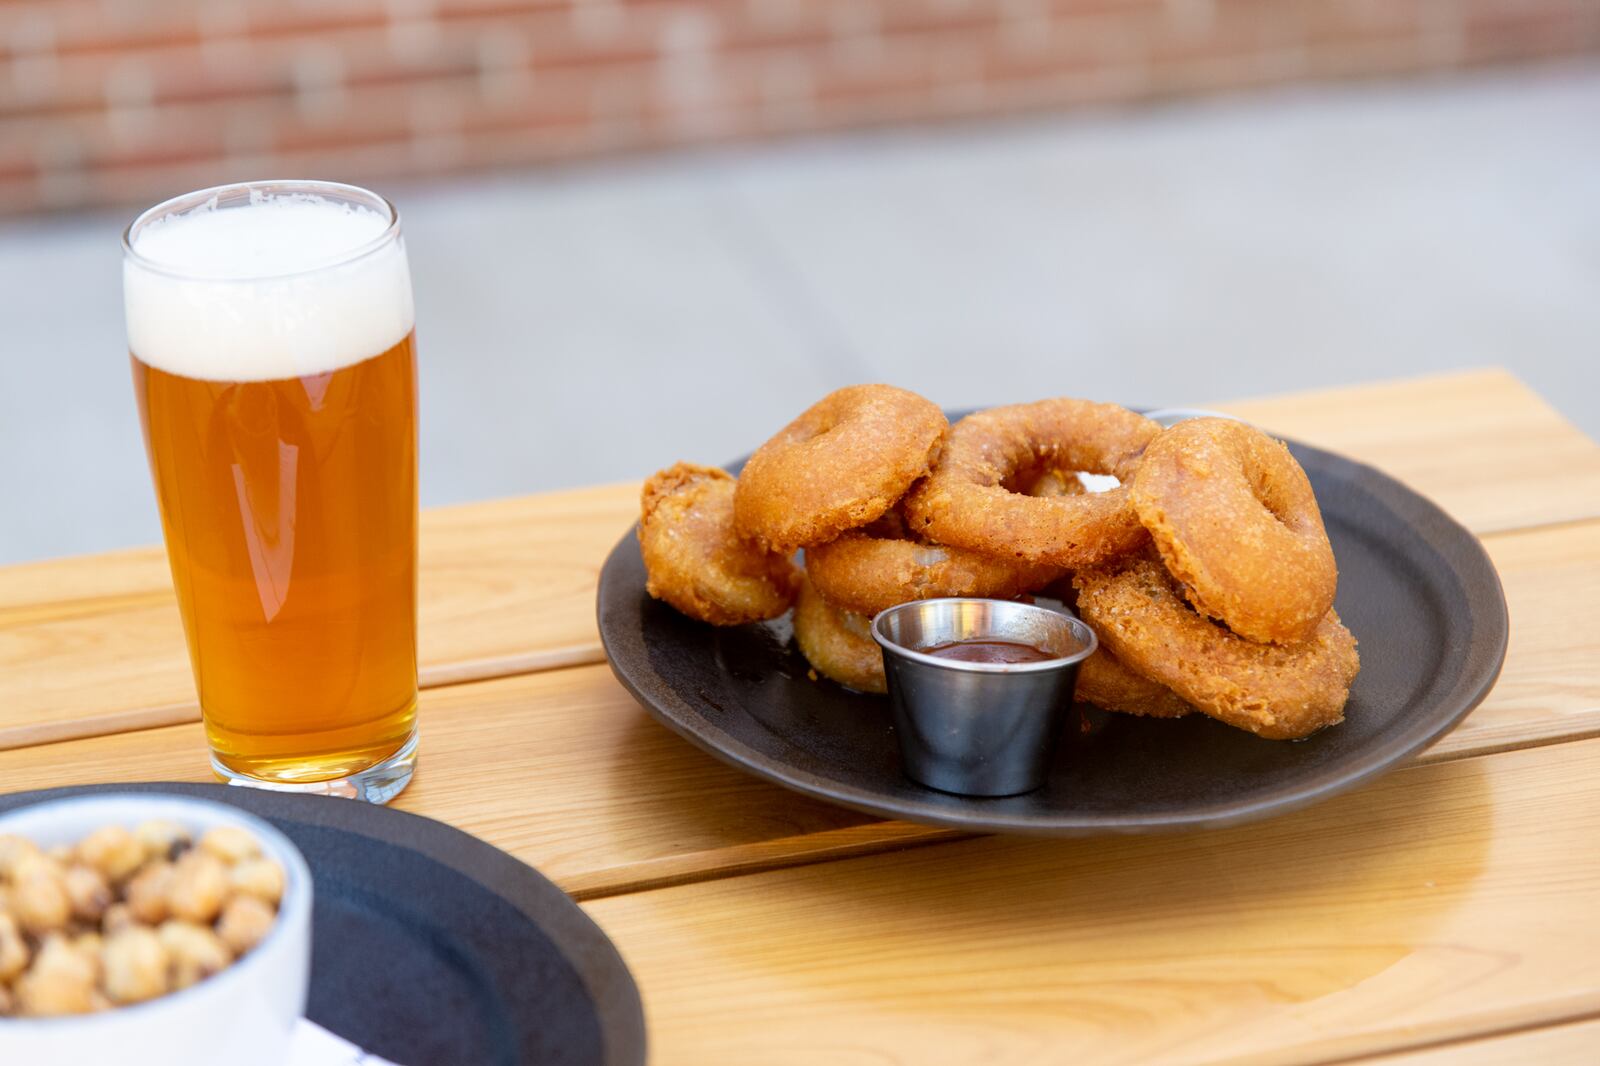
[
  {"x": 430, "y": 946},
  {"x": 1415, "y": 587}
]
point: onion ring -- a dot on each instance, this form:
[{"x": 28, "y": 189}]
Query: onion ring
[
  {"x": 866, "y": 574},
  {"x": 1105, "y": 681},
  {"x": 1237, "y": 524},
  {"x": 1278, "y": 691},
  {"x": 696, "y": 562},
  {"x": 845, "y": 461},
  {"x": 838, "y": 644},
  {"x": 967, "y": 502}
]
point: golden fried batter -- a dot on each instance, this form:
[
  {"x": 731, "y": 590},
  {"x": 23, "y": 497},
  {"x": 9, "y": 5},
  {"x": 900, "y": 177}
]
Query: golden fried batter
[
  {"x": 845, "y": 461},
  {"x": 1238, "y": 525},
  {"x": 838, "y": 644},
  {"x": 966, "y": 502},
  {"x": 695, "y": 560},
  {"x": 1278, "y": 691},
  {"x": 867, "y": 574},
  {"x": 1105, "y": 681}
]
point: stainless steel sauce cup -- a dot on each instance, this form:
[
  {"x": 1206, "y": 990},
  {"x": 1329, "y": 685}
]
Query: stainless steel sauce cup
[{"x": 979, "y": 729}]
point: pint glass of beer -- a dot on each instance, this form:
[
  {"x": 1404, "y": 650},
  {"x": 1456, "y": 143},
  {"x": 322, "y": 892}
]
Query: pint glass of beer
[{"x": 270, "y": 327}]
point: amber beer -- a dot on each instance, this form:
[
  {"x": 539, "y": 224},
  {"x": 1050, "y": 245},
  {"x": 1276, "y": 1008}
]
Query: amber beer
[{"x": 272, "y": 342}]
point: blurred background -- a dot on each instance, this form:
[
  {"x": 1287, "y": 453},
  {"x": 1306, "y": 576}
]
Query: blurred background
[{"x": 644, "y": 230}]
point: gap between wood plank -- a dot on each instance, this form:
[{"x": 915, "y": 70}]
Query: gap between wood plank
[
  {"x": 92, "y": 606},
  {"x": 169, "y": 714},
  {"x": 532, "y": 662},
  {"x": 851, "y": 842},
  {"x": 877, "y": 838},
  {"x": 1464, "y": 1039},
  {"x": 1381, "y": 1042},
  {"x": 868, "y": 838},
  {"x": 435, "y": 676},
  {"x": 794, "y": 900},
  {"x": 1534, "y": 527},
  {"x": 1429, "y": 757}
]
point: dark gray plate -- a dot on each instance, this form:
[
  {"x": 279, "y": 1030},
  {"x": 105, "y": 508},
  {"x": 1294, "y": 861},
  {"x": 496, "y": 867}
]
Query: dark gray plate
[
  {"x": 1415, "y": 588},
  {"x": 431, "y": 946}
]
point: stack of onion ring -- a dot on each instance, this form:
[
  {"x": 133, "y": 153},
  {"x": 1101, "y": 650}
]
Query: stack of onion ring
[{"x": 1204, "y": 569}]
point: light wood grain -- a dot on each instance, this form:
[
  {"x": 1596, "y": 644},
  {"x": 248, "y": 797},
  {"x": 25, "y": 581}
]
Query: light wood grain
[
  {"x": 1573, "y": 1044},
  {"x": 564, "y": 770},
  {"x": 506, "y": 587},
  {"x": 72, "y": 585},
  {"x": 1483, "y": 475},
  {"x": 1447, "y": 909},
  {"x": 1444, "y": 901},
  {"x": 1550, "y": 686},
  {"x": 94, "y": 645},
  {"x": 1551, "y": 578}
]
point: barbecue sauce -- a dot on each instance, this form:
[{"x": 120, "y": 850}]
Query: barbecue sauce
[{"x": 988, "y": 651}]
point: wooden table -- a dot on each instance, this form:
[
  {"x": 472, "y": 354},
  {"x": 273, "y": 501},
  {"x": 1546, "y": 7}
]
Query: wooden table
[{"x": 1448, "y": 913}]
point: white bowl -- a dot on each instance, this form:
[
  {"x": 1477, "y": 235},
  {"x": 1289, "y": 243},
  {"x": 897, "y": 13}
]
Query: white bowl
[{"x": 243, "y": 1016}]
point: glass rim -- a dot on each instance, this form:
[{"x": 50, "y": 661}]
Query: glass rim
[{"x": 308, "y": 185}]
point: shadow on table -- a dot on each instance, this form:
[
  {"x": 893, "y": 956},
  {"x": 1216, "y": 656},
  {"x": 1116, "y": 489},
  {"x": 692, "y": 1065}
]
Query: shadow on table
[{"x": 1152, "y": 936}]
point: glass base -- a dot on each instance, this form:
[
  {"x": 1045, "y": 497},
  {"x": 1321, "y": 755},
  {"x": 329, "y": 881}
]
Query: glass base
[{"x": 378, "y": 783}]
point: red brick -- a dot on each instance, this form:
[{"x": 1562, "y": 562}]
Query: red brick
[
  {"x": 18, "y": 168},
  {"x": 1240, "y": 28},
  {"x": 1368, "y": 58},
  {"x": 181, "y": 134},
  {"x": 1075, "y": 44},
  {"x": 1537, "y": 36},
  {"x": 1355, "y": 20},
  {"x": 269, "y": 20},
  {"x": 81, "y": 26},
  {"x": 18, "y": 195},
  {"x": 570, "y": 92}
]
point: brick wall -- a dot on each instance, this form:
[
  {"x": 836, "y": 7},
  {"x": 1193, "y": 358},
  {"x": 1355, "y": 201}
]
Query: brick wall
[{"x": 118, "y": 101}]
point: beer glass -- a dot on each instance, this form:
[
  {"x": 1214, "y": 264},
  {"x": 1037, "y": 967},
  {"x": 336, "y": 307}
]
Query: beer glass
[{"x": 271, "y": 333}]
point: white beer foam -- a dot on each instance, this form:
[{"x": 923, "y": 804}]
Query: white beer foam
[{"x": 251, "y": 296}]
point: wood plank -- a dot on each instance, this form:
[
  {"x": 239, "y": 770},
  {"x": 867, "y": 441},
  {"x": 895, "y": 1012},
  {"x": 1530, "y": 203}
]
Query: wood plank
[
  {"x": 1444, "y": 901},
  {"x": 83, "y": 584},
  {"x": 508, "y": 586},
  {"x": 1573, "y": 1044},
  {"x": 1549, "y": 689},
  {"x": 564, "y": 770},
  {"x": 1483, "y": 474}
]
